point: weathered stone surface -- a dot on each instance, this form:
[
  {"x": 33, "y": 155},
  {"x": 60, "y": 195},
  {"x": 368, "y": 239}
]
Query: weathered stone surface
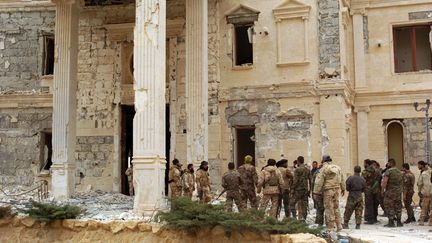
[
  {"x": 28, "y": 221},
  {"x": 69, "y": 224},
  {"x": 132, "y": 225},
  {"x": 143, "y": 227},
  {"x": 116, "y": 226}
]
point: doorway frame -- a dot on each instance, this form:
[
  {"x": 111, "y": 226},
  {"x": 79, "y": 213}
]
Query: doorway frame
[
  {"x": 235, "y": 139},
  {"x": 389, "y": 122}
]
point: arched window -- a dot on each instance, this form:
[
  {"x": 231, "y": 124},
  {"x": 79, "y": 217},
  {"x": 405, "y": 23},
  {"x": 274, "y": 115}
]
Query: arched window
[{"x": 395, "y": 142}]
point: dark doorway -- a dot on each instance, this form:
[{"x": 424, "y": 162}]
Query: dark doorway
[
  {"x": 395, "y": 140},
  {"x": 167, "y": 146},
  {"x": 127, "y": 115},
  {"x": 245, "y": 144}
]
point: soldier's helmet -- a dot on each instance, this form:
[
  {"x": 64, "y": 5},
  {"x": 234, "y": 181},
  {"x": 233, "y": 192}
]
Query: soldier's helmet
[{"x": 248, "y": 159}]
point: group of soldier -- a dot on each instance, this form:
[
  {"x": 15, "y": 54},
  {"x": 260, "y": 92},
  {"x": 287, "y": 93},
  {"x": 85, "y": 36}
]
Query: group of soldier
[{"x": 289, "y": 187}]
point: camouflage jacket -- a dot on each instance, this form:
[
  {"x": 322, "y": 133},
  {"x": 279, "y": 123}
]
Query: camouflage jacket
[
  {"x": 202, "y": 179},
  {"x": 175, "y": 176},
  {"x": 231, "y": 180},
  {"x": 301, "y": 178},
  {"x": 408, "y": 182},
  {"x": 287, "y": 176},
  {"x": 129, "y": 174},
  {"x": 188, "y": 181},
  {"x": 249, "y": 176},
  {"x": 329, "y": 177},
  {"x": 264, "y": 178},
  {"x": 373, "y": 179},
  {"x": 394, "y": 182},
  {"x": 424, "y": 182}
]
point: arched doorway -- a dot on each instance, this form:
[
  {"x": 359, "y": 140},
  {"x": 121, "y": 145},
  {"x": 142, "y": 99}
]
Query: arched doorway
[{"x": 395, "y": 142}]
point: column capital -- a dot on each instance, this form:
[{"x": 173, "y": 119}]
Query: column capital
[
  {"x": 56, "y": 2},
  {"x": 358, "y": 109},
  {"x": 358, "y": 11}
]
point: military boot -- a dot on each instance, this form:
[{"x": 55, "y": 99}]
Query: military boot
[
  {"x": 399, "y": 223},
  {"x": 345, "y": 225},
  {"x": 390, "y": 223}
]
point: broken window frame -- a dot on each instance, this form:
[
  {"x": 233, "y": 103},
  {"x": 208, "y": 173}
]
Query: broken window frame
[
  {"x": 413, "y": 46},
  {"x": 235, "y": 42},
  {"x": 48, "y": 67}
]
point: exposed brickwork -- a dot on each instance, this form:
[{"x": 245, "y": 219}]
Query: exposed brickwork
[
  {"x": 93, "y": 154},
  {"x": 21, "y": 49}
]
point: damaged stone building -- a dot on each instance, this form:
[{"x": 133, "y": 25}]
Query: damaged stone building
[{"x": 89, "y": 87}]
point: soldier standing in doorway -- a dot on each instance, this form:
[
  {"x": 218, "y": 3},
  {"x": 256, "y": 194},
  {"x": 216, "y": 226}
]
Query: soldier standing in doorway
[
  {"x": 249, "y": 178},
  {"x": 391, "y": 189},
  {"x": 175, "y": 179},
  {"x": 188, "y": 181},
  {"x": 301, "y": 185},
  {"x": 318, "y": 197},
  {"x": 129, "y": 174},
  {"x": 203, "y": 182},
  {"x": 408, "y": 192}
]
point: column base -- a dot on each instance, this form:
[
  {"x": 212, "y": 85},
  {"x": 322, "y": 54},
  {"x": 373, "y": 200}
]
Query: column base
[
  {"x": 149, "y": 185},
  {"x": 63, "y": 180}
]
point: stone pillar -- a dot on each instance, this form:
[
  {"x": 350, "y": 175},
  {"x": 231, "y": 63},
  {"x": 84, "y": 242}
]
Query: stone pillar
[
  {"x": 149, "y": 121},
  {"x": 197, "y": 80},
  {"x": 359, "y": 51},
  {"x": 64, "y": 99},
  {"x": 362, "y": 133}
]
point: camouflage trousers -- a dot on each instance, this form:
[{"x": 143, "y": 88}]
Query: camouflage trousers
[
  {"x": 301, "y": 201},
  {"x": 204, "y": 194},
  {"x": 354, "y": 204},
  {"x": 284, "y": 200},
  {"x": 393, "y": 204},
  {"x": 331, "y": 207},
  {"x": 249, "y": 194},
  {"x": 426, "y": 209},
  {"x": 234, "y": 196},
  {"x": 407, "y": 200},
  {"x": 274, "y": 198},
  {"x": 319, "y": 204},
  {"x": 188, "y": 193},
  {"x": 292, "y": 204},
  {"x": 131, "y": 188},
  {"x": 176, "y": 191}
]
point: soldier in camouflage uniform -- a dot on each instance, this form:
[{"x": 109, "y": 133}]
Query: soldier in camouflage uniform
[
  {"x": 270, "y": 181},
  {"x": 249, "y": 178},
  {"x": 318, "y": 198},
  {"x": 285, "y": 189},
  {"x": 203, "y": 183},
  {"x": 424, "y": 184},
  {"x": 355, "y": 185},
  {"x": 373, "y": 179},
  {"x": 188, "y": 181},
  {"x": 129, "y": 174},
  {"x": 301, "y": 186},
  {"x": 391, "y": 189},
  {"x": 175, "y": 179},
  {"x": 231, "y": 182},
  {"x": 292, "y": 203},
  {"x": 330, "y": 181},
  {"x": 408, "y": 192}
]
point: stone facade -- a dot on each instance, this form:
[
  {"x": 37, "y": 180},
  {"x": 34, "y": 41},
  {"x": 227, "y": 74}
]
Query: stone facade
[
  {"x": 21, "y": 48},
  {"x": 312, "y": 100}
]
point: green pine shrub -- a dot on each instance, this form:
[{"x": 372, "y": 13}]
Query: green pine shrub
[
  {"x": 190, "y": 216},
  {"x": 6, "y": 212},
  {"x": 46, "y": 212}
]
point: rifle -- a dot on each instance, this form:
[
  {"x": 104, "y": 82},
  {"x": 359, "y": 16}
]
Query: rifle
[{"x": 224, "y": 190}]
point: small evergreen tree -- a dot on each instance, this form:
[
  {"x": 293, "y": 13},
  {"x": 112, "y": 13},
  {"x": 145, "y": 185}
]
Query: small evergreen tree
[
  {"x": 6, "y": 212},
  {"x": 46, "y": 212},
  {"x": 191, "y": 217}
]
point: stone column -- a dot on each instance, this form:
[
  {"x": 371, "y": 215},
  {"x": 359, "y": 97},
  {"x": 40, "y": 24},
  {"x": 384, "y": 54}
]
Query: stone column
[
  {"x": 362, "y": 133},
  {"x": 64, "y": 99},
  {"x": 197, "y": 80},
  {"x": 149, "y": 121},
  {"x": 359, "y": 51}
]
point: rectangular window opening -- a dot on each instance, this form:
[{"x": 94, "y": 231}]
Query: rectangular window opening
[
  {"x": 245, "y": 144},
  {"x": 48, "y": 55},
  {"x": 412, "y": 48},
  {"x": 243, "y": 49}
]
